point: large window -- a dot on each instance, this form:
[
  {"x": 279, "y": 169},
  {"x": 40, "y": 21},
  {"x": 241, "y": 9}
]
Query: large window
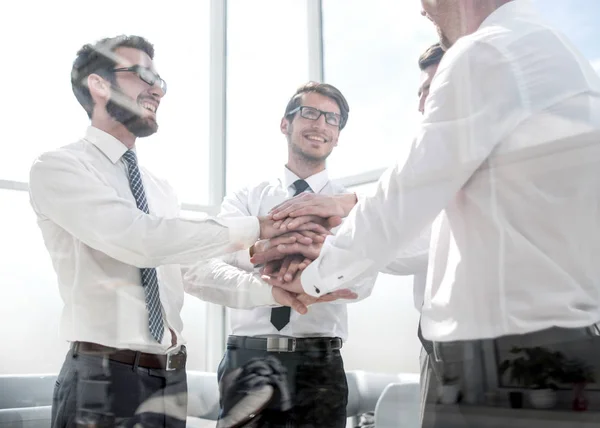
[
  {"x": 578, "y": 19},
  {"x": 370, "y": 54},
  {"x": 267, "y": 59},
  {"x": 40, "y": 113},
  {"x": 44, "y": 114}
]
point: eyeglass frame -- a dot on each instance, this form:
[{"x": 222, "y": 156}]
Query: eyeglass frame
[
  {"x": 137, "y": 70},
  {"x": 321, "y": 113}
]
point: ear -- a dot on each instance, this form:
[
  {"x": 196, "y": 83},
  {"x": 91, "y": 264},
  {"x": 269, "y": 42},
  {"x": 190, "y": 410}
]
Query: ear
[
  {"x": 284, "y": 126},
  {"x": 99, "y": 88}
]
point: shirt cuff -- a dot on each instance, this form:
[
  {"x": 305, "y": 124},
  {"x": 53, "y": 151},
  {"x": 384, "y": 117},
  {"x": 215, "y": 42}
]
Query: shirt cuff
[
  {"x": 243, "y": 231},
  {"x": 263, "y": 296},
  {"x": 311, "y": 281}
]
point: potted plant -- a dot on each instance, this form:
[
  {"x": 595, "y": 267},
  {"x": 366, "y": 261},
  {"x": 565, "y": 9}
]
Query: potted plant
[
  {"x": 537, "y": 369},
  {"x": 578, "y": 374}
]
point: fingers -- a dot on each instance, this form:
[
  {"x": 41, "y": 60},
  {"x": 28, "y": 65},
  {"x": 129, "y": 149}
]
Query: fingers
[
  {"x": 313, "y": 227},
  {"x": 308, "y": 251},
  {"x": 334, "y": 221},
  {"x": 304, "y": 264},
  {"x": 284, "y": 268},
  {"x": 293, "y": 267},
  {"x": 267, "y": 256},
  {"x": 285, "y": 298},
  {"x": 288, "y": 207},
  {"x": 317, "y": 238},
  {"x": 271, "y": 267},
  {"x": 293, "y": 287}
]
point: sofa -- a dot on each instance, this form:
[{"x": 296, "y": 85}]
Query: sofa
[{"x": 25, "y": 400}]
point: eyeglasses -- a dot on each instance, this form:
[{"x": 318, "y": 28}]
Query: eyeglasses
[
  {"x": 147, "y": 75},
  {"x": 312, "y": 113}
]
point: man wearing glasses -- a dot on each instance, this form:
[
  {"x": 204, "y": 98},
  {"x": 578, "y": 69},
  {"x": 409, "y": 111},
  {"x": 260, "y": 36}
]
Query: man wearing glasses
[
  {"x": 308, "y": 346},
  {"x": 116, "y": 242}
]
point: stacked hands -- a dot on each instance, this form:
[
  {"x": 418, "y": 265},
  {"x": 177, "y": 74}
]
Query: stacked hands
[{"x": 293, "y": 234}]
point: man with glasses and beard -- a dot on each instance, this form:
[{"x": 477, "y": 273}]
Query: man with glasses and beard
[
  {"x": 308, "y": 346},
  {"x": 117, "y": 245}
]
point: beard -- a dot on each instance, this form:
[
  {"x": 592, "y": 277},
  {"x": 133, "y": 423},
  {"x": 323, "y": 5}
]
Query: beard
[
  {"x": 308, "y": 157},
  {"x": 299, "y": 151},
  {"x": 131, "y": 120}
]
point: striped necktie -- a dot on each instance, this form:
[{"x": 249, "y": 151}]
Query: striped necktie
[
  {"x": 280, "y": 317},
  {"x": 149, "y": 278}
]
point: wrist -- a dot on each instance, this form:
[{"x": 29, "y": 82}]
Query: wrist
[{"x": 347, "y": 202}]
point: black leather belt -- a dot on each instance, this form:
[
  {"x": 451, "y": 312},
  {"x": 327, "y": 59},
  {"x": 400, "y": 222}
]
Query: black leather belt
[
  {"x": 168, "y": 362},
  {"x": 286, "y": 344}
]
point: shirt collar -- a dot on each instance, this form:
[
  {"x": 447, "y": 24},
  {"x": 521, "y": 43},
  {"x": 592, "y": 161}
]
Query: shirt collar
[
  {"x": 316, "y": 181},
  {"x": 508, "y": 11},
  {"x": 112, "y": 148}
]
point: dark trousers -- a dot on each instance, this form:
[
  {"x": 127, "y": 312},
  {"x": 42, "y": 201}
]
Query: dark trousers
[
  {"x": 317, "y": 383},
  {"x": 485, "y": 400},
  {"x": 94, "y": 391}
]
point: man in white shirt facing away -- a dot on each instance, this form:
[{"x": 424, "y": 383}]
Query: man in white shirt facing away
[
  {"x": 116, "y": 242},
  {"x": 307, "y": 345},
  {"x": 505, "y": 165}
]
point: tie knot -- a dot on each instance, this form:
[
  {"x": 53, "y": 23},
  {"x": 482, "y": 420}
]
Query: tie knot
[
  {"x": 300, "y": 186},
  {"x": 130, "y": 157}
]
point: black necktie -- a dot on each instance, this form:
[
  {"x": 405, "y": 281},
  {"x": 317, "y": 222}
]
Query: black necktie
[{"x": 280, "y": 317}]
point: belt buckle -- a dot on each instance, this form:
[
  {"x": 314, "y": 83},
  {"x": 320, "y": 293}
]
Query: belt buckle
[
  {"x": 174, "y": 361},
  {"x": 168, "y": 366},
  {"x": 281, "y": 344}
]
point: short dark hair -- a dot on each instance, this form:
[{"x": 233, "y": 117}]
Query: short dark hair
[
  {"x": 324, "y": 89},
  {"x": 432, "y": 56},
  {"x": 98, "y": 58}
]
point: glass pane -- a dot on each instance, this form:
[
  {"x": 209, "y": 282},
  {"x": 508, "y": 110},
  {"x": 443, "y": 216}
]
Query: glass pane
[
  {"x": 371, "y": 345},
  {"x": 266, "y": 61},
  {"x": 30, "y": 303},
  {"x": 578, "y": 20},
  {"x": 379, "y": 76},
  {"x": 37, "y": 88}
]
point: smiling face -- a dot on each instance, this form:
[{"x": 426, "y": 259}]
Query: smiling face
[
  {"x": 312, "y": 140},
  {"x": 133, "y": 102}
]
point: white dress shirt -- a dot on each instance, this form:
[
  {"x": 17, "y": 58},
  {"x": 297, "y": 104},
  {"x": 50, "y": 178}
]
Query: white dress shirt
[
  {"x": 230, "y": 281},
  {"x": 98, "y": 240},
  {"x": 507, "y": 163}
]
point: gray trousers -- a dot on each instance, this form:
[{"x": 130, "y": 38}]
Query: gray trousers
[
  {"x": 483, "y": 414},
  {"x": 94, "y": 391}
]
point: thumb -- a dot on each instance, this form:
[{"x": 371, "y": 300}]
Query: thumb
[
  {"x": 334, "y": 221},
  {"x": 286, "y": 298}
]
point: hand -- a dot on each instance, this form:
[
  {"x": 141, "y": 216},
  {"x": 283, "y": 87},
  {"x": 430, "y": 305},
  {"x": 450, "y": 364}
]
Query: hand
[
  {"x": 298, "y": 223},
  {"x": 306, "y": 223},
  {"x": 300, "y": 302},
  {"x": 305, "y": 237},
  {"x": 310, "y": 251},
  {"x": 290, "y": 265},
  {"x": 314, "y": 204}
]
